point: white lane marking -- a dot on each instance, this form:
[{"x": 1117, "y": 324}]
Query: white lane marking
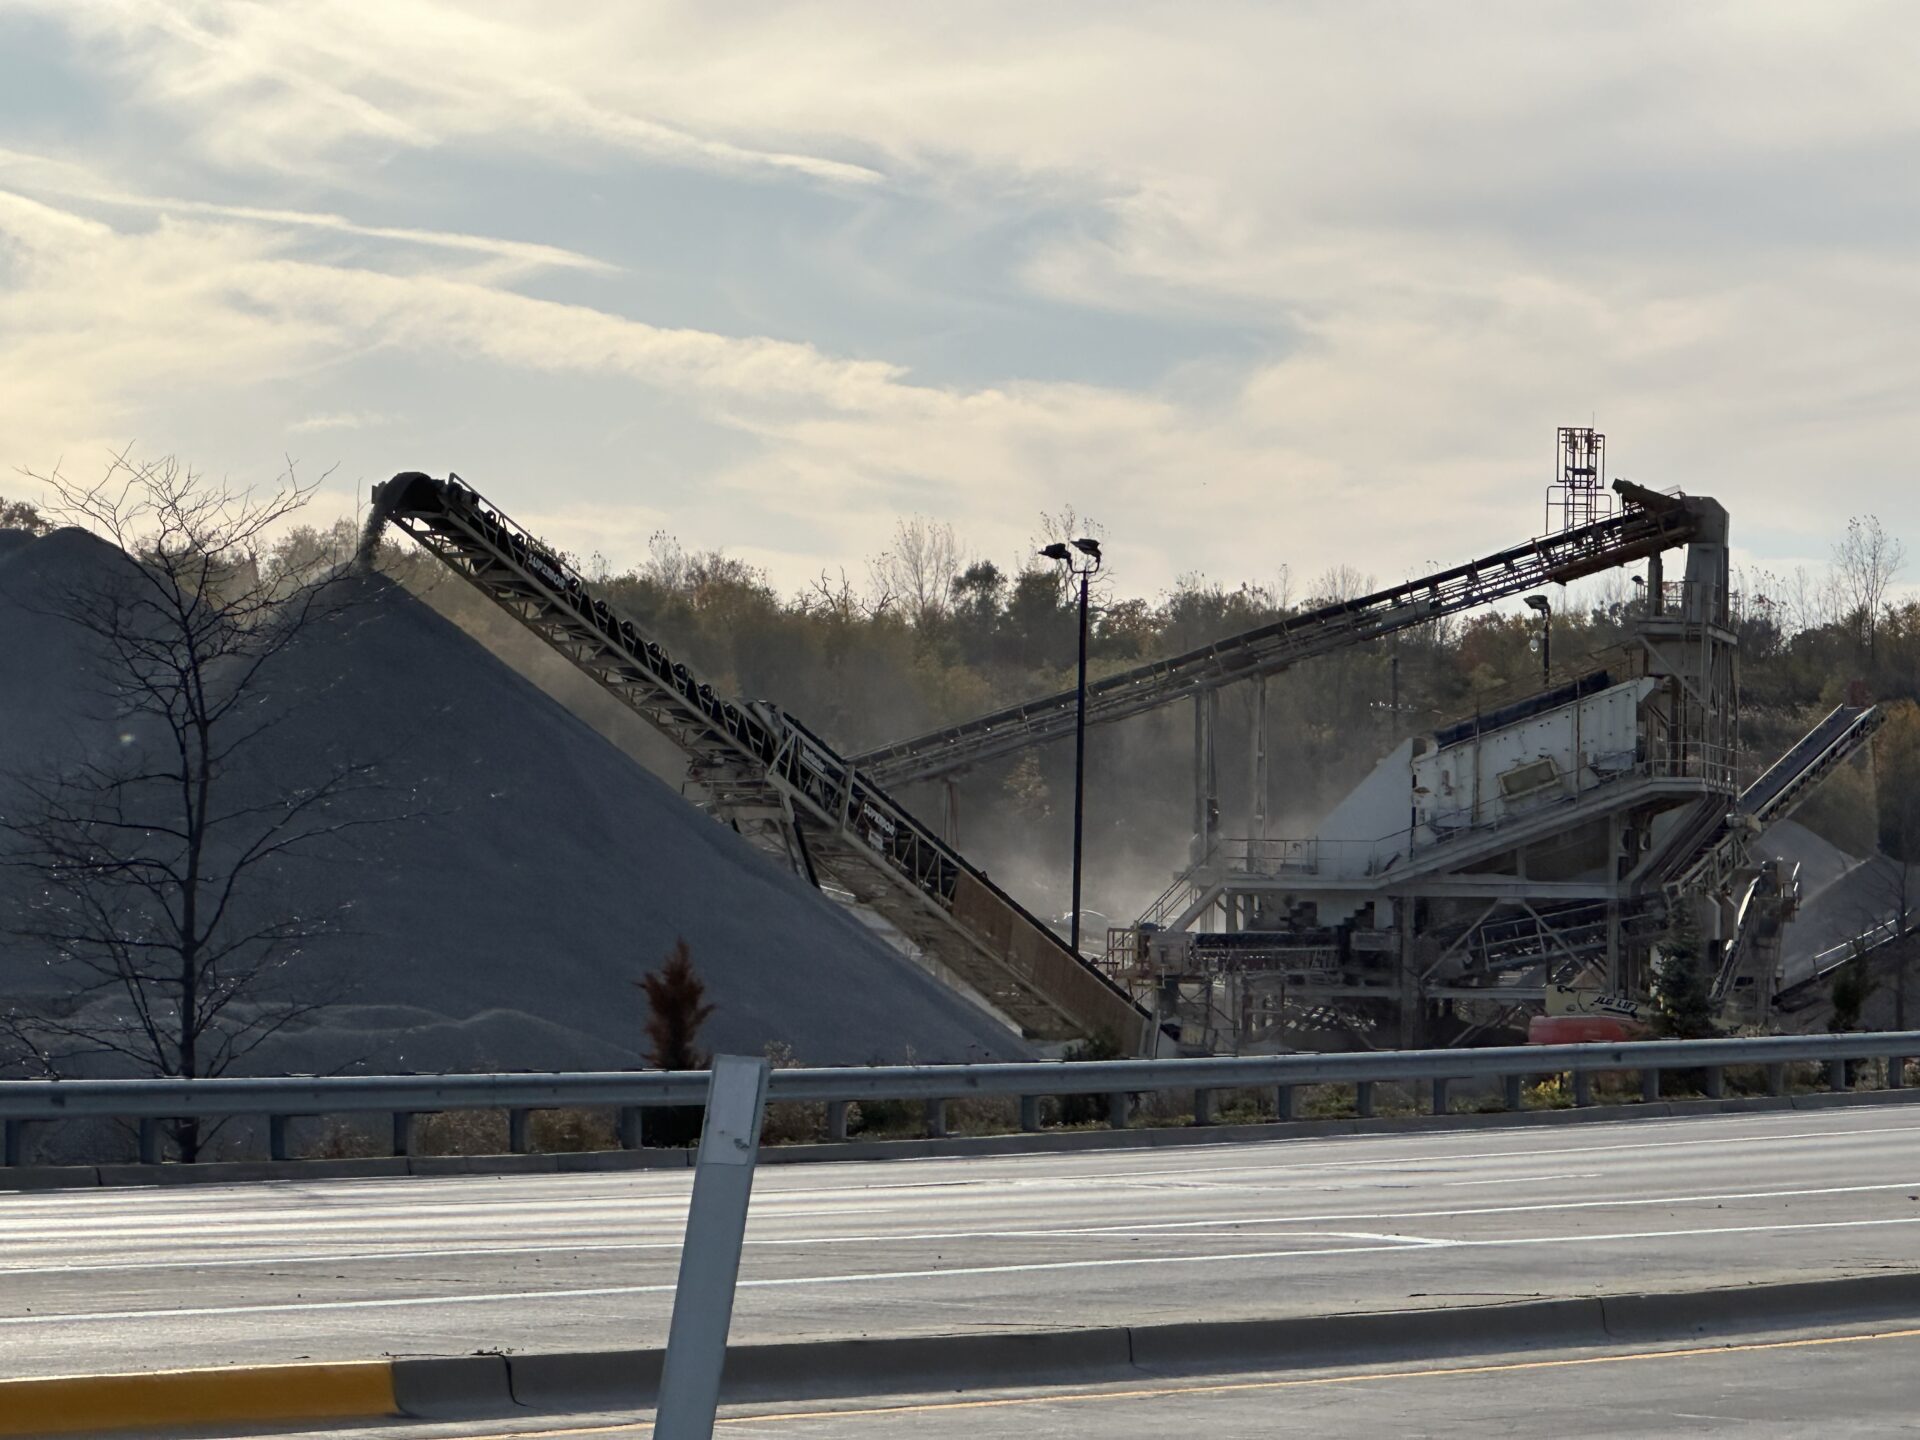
[
  {"x": 1400, "y": 1246},
  {"x": 770, "y": 1192},
  {"x": 1042, "y": 1232},
  {"x": 774, "y": 1200},
  {"x": 1518, "y": 1179}
]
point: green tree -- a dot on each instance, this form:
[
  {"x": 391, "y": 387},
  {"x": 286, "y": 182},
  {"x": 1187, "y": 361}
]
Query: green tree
[
  {"x": 1683, "y": 996},
  {"x": 19, "y": 515}
]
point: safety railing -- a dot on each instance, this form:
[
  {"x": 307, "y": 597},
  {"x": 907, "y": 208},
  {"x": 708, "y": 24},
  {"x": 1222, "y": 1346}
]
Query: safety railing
[{"x": 148, "y": 1104}]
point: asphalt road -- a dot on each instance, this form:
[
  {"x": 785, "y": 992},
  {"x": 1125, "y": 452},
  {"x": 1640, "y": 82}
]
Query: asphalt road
[
  {"x": 137, "y": 1279},
  {"x": 1818, "y": 1385}
]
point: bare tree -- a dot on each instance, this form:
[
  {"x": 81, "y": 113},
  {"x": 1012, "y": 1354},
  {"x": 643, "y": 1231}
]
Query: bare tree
[
  {"x": 158, "y": 872},
  {"x": 918, "y": 569},
  {"x": 1864, "y": 565},
  {"x": 1338, "y": 583}
]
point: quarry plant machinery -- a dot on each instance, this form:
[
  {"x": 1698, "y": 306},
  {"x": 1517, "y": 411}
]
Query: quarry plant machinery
[
  {"x": 774, "y": 780},
  {"x": 1523, "y": 860}
]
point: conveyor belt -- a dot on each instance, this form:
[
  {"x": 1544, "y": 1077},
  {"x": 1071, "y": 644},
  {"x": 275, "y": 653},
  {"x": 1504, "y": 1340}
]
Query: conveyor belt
[
  {"x": 1651, "y": 523},
  {"x": 773, "y": 777},
  {"x": 1785, "y": 783}
]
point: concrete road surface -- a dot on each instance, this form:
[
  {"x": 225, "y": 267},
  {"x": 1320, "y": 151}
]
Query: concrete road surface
[{"x": 137, "y": 1279}]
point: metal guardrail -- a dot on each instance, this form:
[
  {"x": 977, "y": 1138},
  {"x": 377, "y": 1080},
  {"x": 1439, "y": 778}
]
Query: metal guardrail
[{"x": 149, "y": 1102}]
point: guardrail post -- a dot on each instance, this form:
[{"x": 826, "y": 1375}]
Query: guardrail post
[
  {"x": 630, "y": 1127},
  {"x": 517, "y": 1131},
  {"x": 1363, "y": 1099},
  {"x": 1777, "y": 1078},
  {"x": 149, "y": 1141},
  {"x": 403, "y": 1132},
  {"x": 1029, "y": 1113},
  {"x": 1203, "y": 1107},
  {"x": 1582, "y": 1088},
  {"x": 710, "y": 1255},
  {"x": 13, "y": 1141},
  {"x": 1440, "y": 1098},
  {"x": 1514, "y": 1092},
  {"x": 1284, "y": 1107},
  {"x": 1119, "y": 1109},
  {"x": 1716, "y": 1082},
  {"x": 1838, "y": 1077},
  {"x": 1896, "y": 1072},
  {"x": 277, "y": 1137},
  {"x": 936, "y": 1117},
  {"x": 836, "y": 1119},
  {"x": 1649, "y": 1083}
]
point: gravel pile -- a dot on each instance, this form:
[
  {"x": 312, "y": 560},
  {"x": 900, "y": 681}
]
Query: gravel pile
[{"x": 539, "y": 874}]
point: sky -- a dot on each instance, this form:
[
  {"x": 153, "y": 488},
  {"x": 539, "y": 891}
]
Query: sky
[{"x": 1254, "y": 286}]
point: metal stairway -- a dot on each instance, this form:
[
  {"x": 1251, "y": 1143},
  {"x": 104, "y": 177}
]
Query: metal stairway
[
  {"x": 775, "y": 780},
  {"x": 1650, "y": 524}
]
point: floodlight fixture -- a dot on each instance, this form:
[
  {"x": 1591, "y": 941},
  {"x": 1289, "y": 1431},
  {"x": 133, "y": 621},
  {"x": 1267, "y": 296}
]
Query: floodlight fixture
[
  {"x": 1540, "y": 603},
  {"x": 1057, "y": 551},
  {"x": 1088, "y": 547}
]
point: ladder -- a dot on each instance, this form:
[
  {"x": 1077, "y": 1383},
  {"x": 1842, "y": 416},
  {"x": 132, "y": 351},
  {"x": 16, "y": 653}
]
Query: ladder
[{"x": 776, "y": 781}]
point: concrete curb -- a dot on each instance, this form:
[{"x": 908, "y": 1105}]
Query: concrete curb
[
  {"x": 74, "y": 1404},
  {"x": 226, "y": 1172},
  {"x": 492, "y": 1386}
]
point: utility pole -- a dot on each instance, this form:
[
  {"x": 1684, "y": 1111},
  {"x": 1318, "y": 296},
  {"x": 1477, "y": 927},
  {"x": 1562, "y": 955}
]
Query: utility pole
[
  {"x": 1082, "y": 570},
  {"x": 1544, "y": 608}
]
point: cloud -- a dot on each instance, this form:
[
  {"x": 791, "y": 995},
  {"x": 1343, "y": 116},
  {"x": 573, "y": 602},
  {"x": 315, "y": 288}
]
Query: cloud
[
  {"x": 336, "y": 420},
  {"x": 327, "y": 85},
  {"x": 1433, "y": 236}
]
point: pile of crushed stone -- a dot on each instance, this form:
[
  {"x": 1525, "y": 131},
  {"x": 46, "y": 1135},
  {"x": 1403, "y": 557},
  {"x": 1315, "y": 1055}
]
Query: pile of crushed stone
[{"x": 539, "y": 874}]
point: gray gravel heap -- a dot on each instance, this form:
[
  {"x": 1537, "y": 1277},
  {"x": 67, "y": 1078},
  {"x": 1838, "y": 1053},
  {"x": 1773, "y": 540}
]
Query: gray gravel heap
[{"x": 504, "y": 926}]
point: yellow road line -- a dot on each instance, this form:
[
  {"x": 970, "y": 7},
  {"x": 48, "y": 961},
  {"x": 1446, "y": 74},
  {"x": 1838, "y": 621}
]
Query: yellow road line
[
  {"x": 1225, "y": 1387},
  {"x": 71, "y": 1403}
]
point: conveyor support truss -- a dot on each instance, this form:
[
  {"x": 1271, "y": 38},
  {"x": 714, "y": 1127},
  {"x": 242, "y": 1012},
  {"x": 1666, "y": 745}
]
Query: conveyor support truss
[
  {"x": 765, "y": 771},
  {"x": 1651, "y": 523}
]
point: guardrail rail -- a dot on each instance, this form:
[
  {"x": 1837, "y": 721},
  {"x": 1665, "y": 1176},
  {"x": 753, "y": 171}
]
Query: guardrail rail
[{"x": 149, "y": 1103}]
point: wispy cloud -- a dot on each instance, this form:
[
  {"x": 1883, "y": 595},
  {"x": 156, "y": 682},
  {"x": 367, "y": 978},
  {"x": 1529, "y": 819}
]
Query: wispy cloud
[
  {"x": 1432, "y": 237},
  {"x": 336, "y": 420}
]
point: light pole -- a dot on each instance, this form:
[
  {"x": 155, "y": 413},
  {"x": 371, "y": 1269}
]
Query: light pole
[
  {"x": 1545, "y": 610},
  {"x": 1083, "y": 570}
]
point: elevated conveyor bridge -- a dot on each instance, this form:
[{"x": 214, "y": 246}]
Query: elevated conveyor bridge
[
  {"x": 774, "y": 779},
  {"x": 1650, "y": 524}
]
